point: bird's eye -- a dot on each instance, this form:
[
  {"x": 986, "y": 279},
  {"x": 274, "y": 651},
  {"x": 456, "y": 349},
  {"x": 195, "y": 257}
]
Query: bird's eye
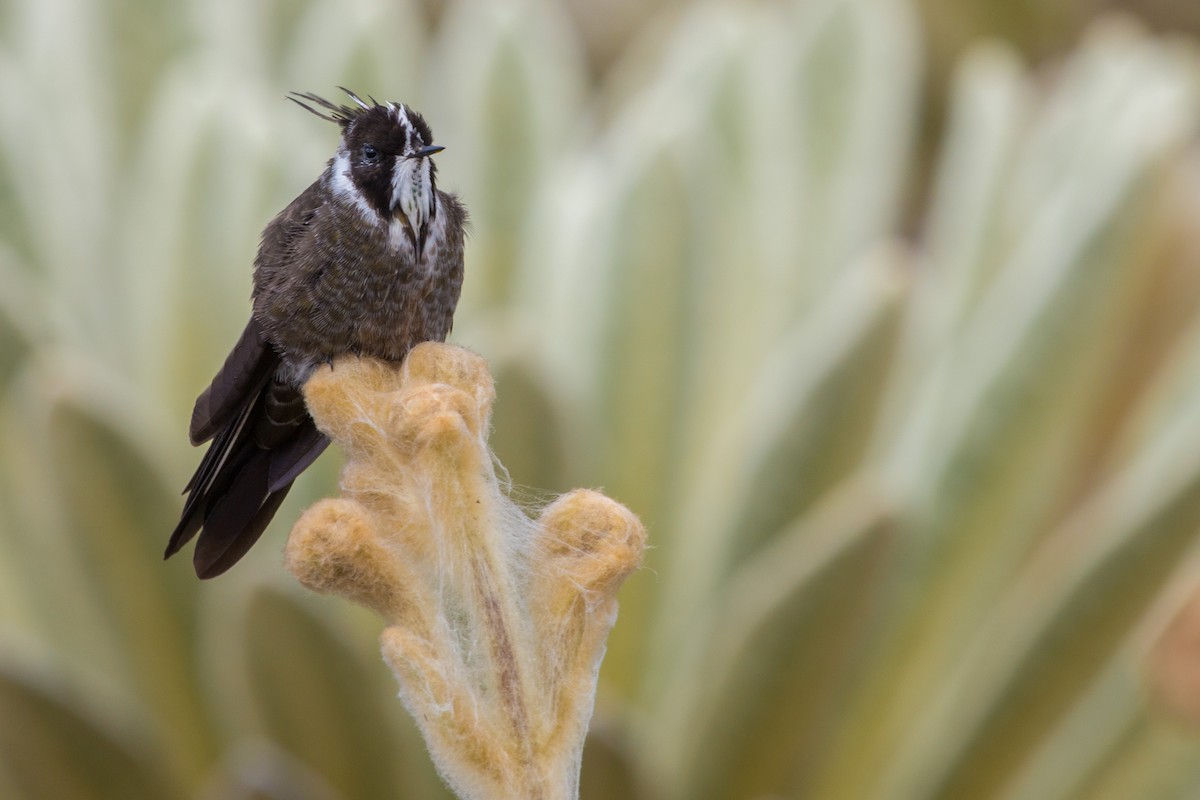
[{"x": 370, "y": 154}]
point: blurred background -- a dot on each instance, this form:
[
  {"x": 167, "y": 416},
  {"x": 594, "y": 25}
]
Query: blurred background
[{"x": 884, "y": 315}]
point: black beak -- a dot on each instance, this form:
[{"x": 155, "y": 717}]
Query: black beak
[{"x": 425, "y": 152}]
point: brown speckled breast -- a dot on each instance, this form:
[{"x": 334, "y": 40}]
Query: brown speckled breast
[{"x": 329, "y": 281}]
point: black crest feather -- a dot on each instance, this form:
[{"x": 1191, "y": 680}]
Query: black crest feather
[
  {"x": 345, "y": 116},
  {"x": 342, "y": 115}
]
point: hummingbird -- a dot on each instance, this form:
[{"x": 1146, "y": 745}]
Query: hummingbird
[{"x": 367, "y": 260}]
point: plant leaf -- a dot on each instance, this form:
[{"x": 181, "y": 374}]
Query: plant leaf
[
  {"x": 320, "y": 702},
  {"x": 51, "y": 747}
]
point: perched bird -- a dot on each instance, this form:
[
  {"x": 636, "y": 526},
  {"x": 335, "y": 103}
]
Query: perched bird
[{"x": 367, "y": 260}]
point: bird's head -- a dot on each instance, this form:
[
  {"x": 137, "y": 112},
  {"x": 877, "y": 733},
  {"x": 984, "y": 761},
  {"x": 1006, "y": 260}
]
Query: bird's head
[{"x": 383, "y": 163}]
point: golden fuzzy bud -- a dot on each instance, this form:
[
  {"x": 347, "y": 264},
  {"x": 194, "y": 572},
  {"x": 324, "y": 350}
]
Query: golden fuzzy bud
[{"x": 496, "y": 621}]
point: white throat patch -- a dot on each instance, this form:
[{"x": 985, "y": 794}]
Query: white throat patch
[{"x": 412, "y": 193}]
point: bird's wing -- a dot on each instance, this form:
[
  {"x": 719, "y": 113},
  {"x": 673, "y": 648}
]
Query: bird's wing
[
  {"x": 252, "y": 359},
  {"x": 278, "y": 248},
  {"x": 244, "y": 476},
  {"x": 236, "y": 395},
  {"x": 262, "y": 434},
  {"x": 242, "y": 376}
]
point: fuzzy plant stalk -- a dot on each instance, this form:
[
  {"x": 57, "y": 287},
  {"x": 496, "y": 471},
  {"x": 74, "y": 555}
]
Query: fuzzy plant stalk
[{"x": 496, "y": 621}]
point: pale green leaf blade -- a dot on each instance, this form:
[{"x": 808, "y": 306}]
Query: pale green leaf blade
[
  {"x": 1053, "y": 631},
  {"x": 259, "y": 770},
  {"x": 117, "y": 514},
  {"x": 754, "y": 695},
  {"x": 804, "y": 427},
  {"x": 506, "y": 84},
  {"x": 321, "y": 703},
  {"x": 51, "y": 747},
  {"x": 610, "y": 766}
]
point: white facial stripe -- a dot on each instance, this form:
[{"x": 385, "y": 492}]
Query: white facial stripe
[
  {"x": 435, "y": 239},
  {"x": 400, "y": 112},
  {"x": 412, "y": 190},
  {"x": 412, "y": 194},
  {"x": 412, "y": 138},
  {"x": 343, "y": 185}
]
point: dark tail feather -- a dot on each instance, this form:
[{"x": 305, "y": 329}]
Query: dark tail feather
[
  {"x": 233, "y": 504},
  {"x": 264, "y": 438},
  {"x": 212, "y": 560},
  {"x": 230, "y": 447},
  {"x": 198, "y": 487},
  {"x": 237, "y": 518},
  {"x": 235, "y": 387},
  {"x": 301, "y": 450}
]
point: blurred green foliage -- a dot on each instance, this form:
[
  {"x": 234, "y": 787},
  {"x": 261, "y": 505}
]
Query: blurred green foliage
[{"x": 915, "y": 502}]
